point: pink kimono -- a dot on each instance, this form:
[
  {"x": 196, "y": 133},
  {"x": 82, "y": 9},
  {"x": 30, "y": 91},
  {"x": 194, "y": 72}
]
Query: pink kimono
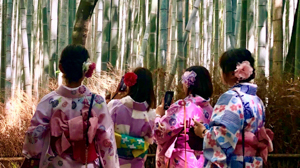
[
  {"x": 169, "y": 135},
  {"x": 60, "y": 118}
]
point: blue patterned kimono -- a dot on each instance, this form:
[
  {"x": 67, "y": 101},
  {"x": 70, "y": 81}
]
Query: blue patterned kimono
[{"x": 223, "y": 141}]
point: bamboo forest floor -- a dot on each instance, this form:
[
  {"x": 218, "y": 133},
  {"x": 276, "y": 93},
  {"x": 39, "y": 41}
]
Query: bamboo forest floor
[{"x": 280, "y": 97}]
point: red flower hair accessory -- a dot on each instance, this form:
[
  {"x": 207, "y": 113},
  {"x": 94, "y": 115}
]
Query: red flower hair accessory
[
  {"x": 88, "y": 69},
  {"x": 130, "y": 79}
]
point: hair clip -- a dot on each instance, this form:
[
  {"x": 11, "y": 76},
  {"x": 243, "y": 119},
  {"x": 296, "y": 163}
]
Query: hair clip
[{"x": 188, "y": 78}]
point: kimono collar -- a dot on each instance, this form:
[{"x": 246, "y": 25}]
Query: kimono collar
[
  {"x": 198, "y": 100},
  {"x": 73, "y": 92},
  {"x": 130, "y": 103},
  {"x": 247, "y": 88}
]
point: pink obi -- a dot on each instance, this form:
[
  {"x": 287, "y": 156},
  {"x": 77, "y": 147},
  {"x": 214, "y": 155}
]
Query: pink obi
[
  {"x": 71, "y": 133},
  {"x": 259, "y": 144}
]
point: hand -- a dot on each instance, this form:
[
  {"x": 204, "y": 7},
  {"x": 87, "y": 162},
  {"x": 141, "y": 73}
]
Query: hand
[
  {"x": 199, "y": 129},
  {"x": 160, "y": 109}
]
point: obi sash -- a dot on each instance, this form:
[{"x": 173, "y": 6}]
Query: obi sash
[
  {"x": 70, "y": 135},
  {"x": 259, "y": 144},
  {"x": 131, "y": 147}
]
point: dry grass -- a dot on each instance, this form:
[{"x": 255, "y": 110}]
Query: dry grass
[{"x": 282, "y": 100}]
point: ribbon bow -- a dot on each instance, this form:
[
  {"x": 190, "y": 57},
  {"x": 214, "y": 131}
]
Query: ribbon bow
[{"x": 75, "y": 137}]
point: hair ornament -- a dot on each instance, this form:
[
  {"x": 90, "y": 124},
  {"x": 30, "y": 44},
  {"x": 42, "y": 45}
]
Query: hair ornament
[
  {"x": 88, "y": 68},
  {"x": 130, "y": 79},
  {"x": 188, "y": 78},
  {"x": 243, "y": 70}
]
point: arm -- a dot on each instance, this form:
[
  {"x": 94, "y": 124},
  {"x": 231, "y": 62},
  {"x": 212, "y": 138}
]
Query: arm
[
  {"x": 168, "y": 126},
  {"x": 105, "y": 138},
  {"x": 221, "y": 139},
  {"x": 35, "y": 135}
]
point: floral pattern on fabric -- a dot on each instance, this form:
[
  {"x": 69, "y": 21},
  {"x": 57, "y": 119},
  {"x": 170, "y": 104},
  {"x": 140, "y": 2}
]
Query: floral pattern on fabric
[
  {"x": 169, "y": 126},
  {"x": 69, "y": 103},
  {"x": 223, "y": 139}
]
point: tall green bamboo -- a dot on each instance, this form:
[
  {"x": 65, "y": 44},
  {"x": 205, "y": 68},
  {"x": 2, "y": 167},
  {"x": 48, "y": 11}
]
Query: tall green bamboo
[
  {"x": 216, "y": 38},
  {"x": 128, "y": 35},
  {"x": 186, "y": 45},
  {"x": 105, "y": 52},
  {"x": 230, "y": 39},
  {"x": 243, "y": 27},
  {"x": 114, "y": 32},
  {"x": 181, "y": 59},
  {"x": 3, "y": 44},
  {"x": 62, "y": 31},
  {"x": 135, "y": 30},
  {"x": 151, "y": 48},
  {"x": 46, "y": 55},
  {"x": 99, "y": 35},
  {"x": 37, "y": 65},
  {"x": 297, "y": 51},
  {"x": 53, "y": 37},
  {"x": 210, "y": 32},
  {"x": 163, "y": 34},
  {"x": 29, "y": 29},
  {"x": 262, "y": 40},
  {"x": 205, "y": 33},
  {"x": 14, "y": 45},
  {"x": 28, "y": 85},
  {"x": 191, "y": 20},
  {"x": 237, "y": 21},
  {"x": 277, "y": 66},
  {"x": 7, "y": 60},
  {"x": 72, "y": 13}
]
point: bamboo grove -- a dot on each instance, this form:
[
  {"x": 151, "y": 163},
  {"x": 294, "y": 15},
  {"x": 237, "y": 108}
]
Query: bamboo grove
[{"x": 165, "y": 36}]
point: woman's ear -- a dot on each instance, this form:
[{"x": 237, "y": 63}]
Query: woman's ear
[{"x": 61, "y": 68}]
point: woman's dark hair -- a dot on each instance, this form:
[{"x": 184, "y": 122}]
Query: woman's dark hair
[
  {"x": 143, "y": 89},
  {"x": 229, "y": 60},
  {"x": 203, "y": 85},
  {"x": 71, "y": 60}
]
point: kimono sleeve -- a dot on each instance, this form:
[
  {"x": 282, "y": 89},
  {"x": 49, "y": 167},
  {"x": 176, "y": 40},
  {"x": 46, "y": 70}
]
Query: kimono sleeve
[
  {"x": 221, "y": 139},
  {"x": 150, "y": 126},
  {"x": 35, "y": 135},
  {"x": 168, "y": 126},
  {"x": 105, "y": 138}
]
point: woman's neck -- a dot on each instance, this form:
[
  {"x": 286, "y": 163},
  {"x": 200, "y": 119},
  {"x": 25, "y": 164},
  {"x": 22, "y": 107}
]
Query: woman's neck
[{"x": 73, "y": 84}]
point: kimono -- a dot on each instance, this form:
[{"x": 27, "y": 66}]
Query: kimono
[
  {"x": 236, "y": 110},
  {"x": 132, "y": 119},
  {"x": 169, "y": 134},
  {"x": 56, "y": 135}
]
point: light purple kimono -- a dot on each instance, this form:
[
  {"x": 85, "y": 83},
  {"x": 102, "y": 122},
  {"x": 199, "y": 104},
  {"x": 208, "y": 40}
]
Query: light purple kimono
[
  {"x": 132, "y": 118},
  {"x": 60, "y": 114},
  {"x": 170, "y": 137}
]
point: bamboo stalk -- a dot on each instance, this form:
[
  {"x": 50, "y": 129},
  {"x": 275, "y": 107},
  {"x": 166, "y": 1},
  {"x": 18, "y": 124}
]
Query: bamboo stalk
[
  {"x": 28, "y": 85},
  {"x": 216, "y": 39},
  {"x": 114, "y": 32},
  {"x": 243, "y": 27},
  {"x": 105, "y": 52},
  {"x": 163, "y": 34}
]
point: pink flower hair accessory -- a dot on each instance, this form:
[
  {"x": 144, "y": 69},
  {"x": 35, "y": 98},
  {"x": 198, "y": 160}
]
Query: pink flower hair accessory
[
  {"x": 243, "y": 70},
  {"x": 130, "y": 79},
  {"x": 88, "y": 68},
  {"x": 188, "y": 78}
]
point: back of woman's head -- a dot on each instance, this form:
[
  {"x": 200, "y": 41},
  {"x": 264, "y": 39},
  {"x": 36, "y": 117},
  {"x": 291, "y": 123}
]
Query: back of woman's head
[
  {"x": 231, "y": 58},
  {"x": 143, "y": 89},
  {"x": 202, "y": 85},
  {"x": 71, "y": 60}
]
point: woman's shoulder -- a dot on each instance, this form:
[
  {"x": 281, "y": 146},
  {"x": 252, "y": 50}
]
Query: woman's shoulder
[
  {"x": 49, "y": 97},
  {"x": 227, "y": 97}
]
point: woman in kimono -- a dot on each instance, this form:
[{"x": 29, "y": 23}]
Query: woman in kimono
[
  {"x": 173, "y": 147},
  {"x": 237, "y": 136},
  {"x": 133, "y": 117},
  {"x": 59, "y": 134}
]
